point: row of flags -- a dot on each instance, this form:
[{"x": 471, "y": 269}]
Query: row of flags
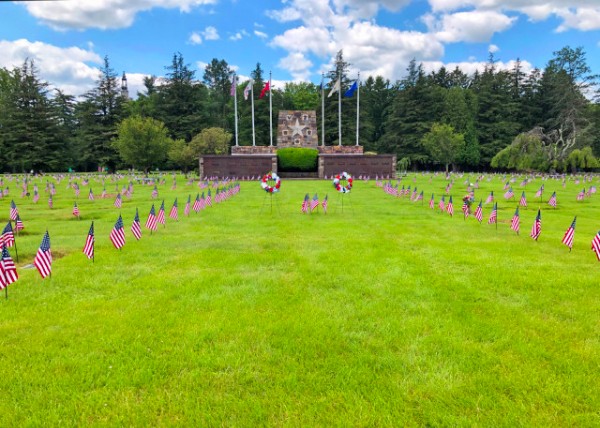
[
  {"x": 515, "y": 223},
  {"x": 312, "y": 204},
  {"x": 43, "y": 258}
]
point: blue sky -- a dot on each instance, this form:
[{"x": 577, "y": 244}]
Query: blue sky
[{"x": 295, "y": 39}]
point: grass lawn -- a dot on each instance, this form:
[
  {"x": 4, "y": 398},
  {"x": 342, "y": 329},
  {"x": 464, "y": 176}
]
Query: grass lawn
[{"x": 387, "y": 313}]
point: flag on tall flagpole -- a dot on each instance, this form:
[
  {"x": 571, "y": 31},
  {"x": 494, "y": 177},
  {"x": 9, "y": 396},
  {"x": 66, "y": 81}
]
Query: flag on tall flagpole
[
  {"x": 43, "y": 258},
  {"x": 570, "y": 235},
  {"x": 536, "y": 229},
  {"x": 136, "y": 227},
  {"x": 88, "y": 248},
  {"x": 247, "y": 89},
  {"x": 514, "y": 224},
  {"x": 335, "y": 88},
  {"x": 265, "y": 89},
  {"x": 350, "y": 92},
  {"x": 596, "y": 245},
  {"x": 117, "y": 234}
]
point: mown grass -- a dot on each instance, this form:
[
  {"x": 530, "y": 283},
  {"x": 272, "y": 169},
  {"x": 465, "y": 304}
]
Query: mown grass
[{"x": 384, "y": 314}]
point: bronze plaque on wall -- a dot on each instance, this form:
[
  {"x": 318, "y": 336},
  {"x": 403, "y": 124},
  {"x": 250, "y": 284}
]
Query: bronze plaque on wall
[{"x": 297, "y": 128}]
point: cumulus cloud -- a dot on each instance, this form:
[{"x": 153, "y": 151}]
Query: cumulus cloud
[
  {"x": 106, "y": 14},
  {"x": 68, "y": 68},
  {"x": 470, "y": 67},
  {"x": 493, "y": 48},
  {"x": 475, "y": 26},
  {"x": 195, "y": 38},
  {"x": 210, "y": 33},
  {"x": 238, "y": 36},
  {"x": 298, "y": 66},
  {"x": 260, "y": 34}
]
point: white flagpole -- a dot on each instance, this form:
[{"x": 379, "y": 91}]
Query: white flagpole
[
  {"x": 270, "y": 111},
  {"x": 322, "y": 111},
  {"x": 252, "y": 102},
  {"x": 234, "y": 83},
  {"x": 357, "y": 107},
  {"x": 340, "y": 110}
]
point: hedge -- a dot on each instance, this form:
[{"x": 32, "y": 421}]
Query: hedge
[{"x": 294, "y": 159}]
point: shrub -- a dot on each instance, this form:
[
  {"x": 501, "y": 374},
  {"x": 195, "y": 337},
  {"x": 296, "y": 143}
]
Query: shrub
[{"x": 297, "y": 159}]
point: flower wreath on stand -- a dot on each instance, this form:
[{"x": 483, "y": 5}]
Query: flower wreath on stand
[
  {"x": 339, "y": 186},
  {"x": 271, "y": 176}
]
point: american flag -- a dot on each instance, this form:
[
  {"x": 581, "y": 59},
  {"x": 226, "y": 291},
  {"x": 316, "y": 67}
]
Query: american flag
[
  {"x": 305, "y": 204},
  {"x": 19, "y": 224},
  {"x": 538, "y": 194},
  {"x": 514, "y": 224},
  {"x": 197, "y": 205},
  {"x": 77, "y": 190},
  {"x": 314, "y": 203},
  {"x": 103, "y": 195},
  {"x": 161, "y": 214},
  {"x": 552, "y": 200},
  {"x": 118, "y": 201},
  {"x": 43, "y": 258},
  {"x": 155, "y": 192},
  {"x": 581, "y": 195},
  {"x": 50, "y": 203},
  {"x": 442, "y": 204},
  {"x": 186, "y": 210},
  {"x": 88, "y": 248},
  {"x": 7, "y": 238},
  {"x": 136, "y": 228},
  {"x": 91, "y": 195},
  {"x": 209, "y": 199},
  {"x": 174, "y": 186},
  {"x": 494, "y": 215},
  {"x": 75, "y": 210},
  {"x": 432, "y": 202},
  {"x": 570, "y": 235},
  {"x": 479, "y": 212},
  {"x": 450, "y": 207},
  {"x": 420, "y": 196},
  {"x": 536, "y": 229},
  {"x": 174, "y": 211},
  {"x": 8, "y": 271},
  {"x": 523, "y": 200},
  {"x": 36, "y": 196},
  {"x": 324, "y": 204},
  {"x": 117, "y": 234},
  {"x": 596, "y": 245},
  {"x": 14, "y": 212},
  {"x": 509, "y": 194},
  {"x": 151, "y": 222}
]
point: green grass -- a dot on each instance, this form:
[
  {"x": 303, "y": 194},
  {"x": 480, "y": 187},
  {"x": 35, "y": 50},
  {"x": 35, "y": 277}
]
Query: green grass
[{"x": 384, "y": 314}]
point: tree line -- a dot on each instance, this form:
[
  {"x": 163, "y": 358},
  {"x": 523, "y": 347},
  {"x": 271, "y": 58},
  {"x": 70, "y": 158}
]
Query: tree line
[{"x": 547, "y": 120}]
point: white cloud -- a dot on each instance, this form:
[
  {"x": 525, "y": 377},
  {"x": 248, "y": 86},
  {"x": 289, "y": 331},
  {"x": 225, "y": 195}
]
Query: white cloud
[
  {"x": 65, "y": 68},
  {"x": 135, "y": 84},
  {"x": 584, "y": 19},
  {"x": 82, "y": 14},
  {"x": 298, "y": 66},
  {"x": 493, "y": 48},
  {"x": 475, "y": 26},
  {"x": 210, "y": 33},
  {"x": 195, "y": 38},
  {"x": 469, "y": 67},
  {"x": 260, "y": 34},
  {"x": 238, "y": 36}
]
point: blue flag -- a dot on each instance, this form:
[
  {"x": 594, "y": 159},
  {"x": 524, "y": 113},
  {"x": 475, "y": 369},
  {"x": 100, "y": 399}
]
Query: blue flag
[{"x": 350, "y": 92}]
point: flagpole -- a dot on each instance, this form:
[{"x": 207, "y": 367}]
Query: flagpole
[
  {"x": 357, "y": 106},
  {"x": 340, "y": 117},
  {"x": 252, "y": 102},
  {"x": 270, "y": 111},
  {"x": 234, "y": 89},
  {"x": 322, "y": 111}
]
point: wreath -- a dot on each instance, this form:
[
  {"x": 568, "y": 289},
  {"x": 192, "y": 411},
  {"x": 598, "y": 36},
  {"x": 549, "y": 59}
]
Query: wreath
[
  {"x": 264, "y": 182},
  {"x": 339, "y": 186}
]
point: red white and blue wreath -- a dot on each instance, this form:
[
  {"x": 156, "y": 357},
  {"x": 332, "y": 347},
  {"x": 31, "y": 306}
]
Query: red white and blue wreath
[
  {"x": 338, "y": 182},
  {"x": 270, "y": 177}
]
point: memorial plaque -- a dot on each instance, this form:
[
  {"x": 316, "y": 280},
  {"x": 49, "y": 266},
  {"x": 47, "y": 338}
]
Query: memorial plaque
[{"x": 297, "y": 128}]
